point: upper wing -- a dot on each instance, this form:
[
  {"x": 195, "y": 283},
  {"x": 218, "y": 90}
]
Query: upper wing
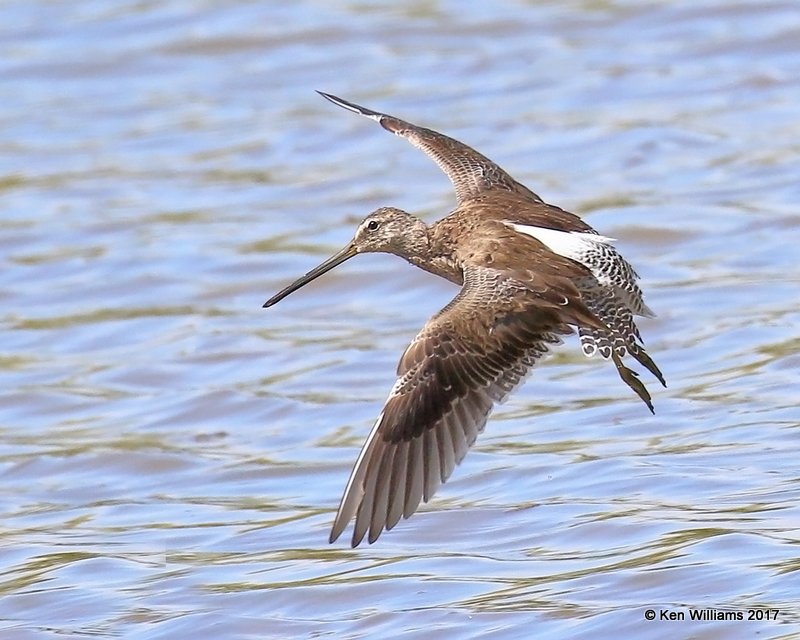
[
  {"x": 470, "y": 172},
  {"x": 470, "y": 355}
]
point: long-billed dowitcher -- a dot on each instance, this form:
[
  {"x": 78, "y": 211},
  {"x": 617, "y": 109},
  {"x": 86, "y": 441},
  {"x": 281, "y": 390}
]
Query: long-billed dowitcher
[{"x": 529, "y": 272}]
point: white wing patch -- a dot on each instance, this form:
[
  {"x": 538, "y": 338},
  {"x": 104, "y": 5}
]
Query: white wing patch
[{"x": 570, "y": 244}]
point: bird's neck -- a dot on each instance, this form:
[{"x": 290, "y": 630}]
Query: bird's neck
[{"x": 435, "y": 257}]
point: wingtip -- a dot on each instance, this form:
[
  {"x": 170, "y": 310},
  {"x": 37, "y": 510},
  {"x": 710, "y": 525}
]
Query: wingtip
[
  {"x": 341, "y": 102},
  {"x": 357, "y": 539},
  {"x": 351, "y": 106},
  {"x": 336, "y": 531}
]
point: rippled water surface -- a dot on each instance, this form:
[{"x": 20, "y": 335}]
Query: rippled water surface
[{"x": 171, "y": 454}]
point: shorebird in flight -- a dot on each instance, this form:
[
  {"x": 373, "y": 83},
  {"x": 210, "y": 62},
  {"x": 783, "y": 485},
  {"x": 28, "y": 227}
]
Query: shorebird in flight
[{"x": 529, "y": 274}]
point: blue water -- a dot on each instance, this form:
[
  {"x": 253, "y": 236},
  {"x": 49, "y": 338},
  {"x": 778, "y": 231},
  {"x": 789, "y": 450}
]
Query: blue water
[{"x": 171, "y": 454}]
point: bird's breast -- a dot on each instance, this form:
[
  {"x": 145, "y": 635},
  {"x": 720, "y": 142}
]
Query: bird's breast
[{"x": 444, "y": 265}]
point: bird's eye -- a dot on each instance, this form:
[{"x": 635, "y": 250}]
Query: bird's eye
[{"x": 372, "y": 225}]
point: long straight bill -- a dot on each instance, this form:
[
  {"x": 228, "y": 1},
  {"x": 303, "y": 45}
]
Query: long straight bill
[{"x": 334, "y": 261}]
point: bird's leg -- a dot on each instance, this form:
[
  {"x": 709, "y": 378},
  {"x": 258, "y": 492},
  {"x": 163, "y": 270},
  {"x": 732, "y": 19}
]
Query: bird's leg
[
  {"x": 647, "y": 362},
  {"x": 631, "y": 378}
]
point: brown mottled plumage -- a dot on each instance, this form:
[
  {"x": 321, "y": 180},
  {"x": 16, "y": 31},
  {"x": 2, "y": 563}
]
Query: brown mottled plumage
[{"x": 529, "y": 272}]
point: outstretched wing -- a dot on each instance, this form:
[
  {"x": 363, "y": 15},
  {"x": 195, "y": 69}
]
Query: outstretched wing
[
  {"x": 471, "y": 173},
  {"x": 469, "y": 356}
]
